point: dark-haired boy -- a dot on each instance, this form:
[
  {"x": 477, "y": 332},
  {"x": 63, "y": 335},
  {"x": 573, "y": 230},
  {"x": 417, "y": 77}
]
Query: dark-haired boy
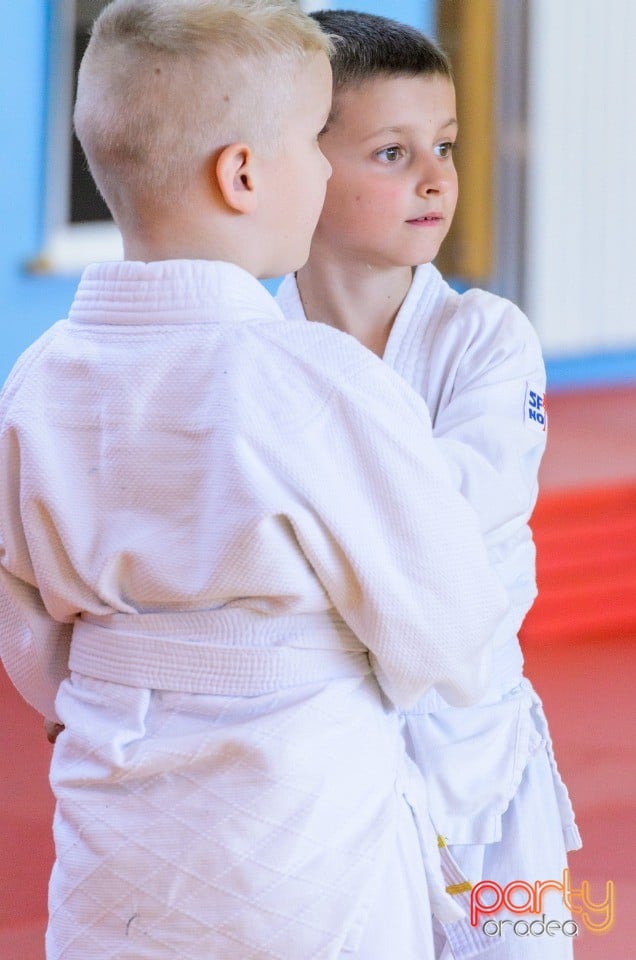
[{"x": 496, "y": 794}]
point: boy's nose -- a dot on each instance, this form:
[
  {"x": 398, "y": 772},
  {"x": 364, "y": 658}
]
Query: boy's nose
[
  {"x": 427, "y": 186},
  {"x": 430, "y": 180}
]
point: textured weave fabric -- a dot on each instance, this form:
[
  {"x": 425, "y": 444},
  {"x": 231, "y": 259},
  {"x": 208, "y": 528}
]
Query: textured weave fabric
[
  {"x": 475, "y": 360},
  {"x": 176, "y": 449},
  {"x": 471, "y": 357},
  {"x": 238, "y": 828},
  {"x": 207, "y": 452}
]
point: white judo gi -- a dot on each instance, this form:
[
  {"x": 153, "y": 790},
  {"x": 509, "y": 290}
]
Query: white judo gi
[
  {"x": 476, "y": 361},
  {"x": 203, "y": 506}
]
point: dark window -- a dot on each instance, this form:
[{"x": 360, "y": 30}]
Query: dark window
[{"x": 86, "y": 204}]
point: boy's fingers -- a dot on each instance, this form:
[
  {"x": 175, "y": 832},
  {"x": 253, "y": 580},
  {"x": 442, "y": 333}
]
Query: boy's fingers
[{"x": 53, "y": 730}]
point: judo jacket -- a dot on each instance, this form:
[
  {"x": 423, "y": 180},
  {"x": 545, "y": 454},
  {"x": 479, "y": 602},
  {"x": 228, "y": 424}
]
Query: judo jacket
[
  {"x": 476, "y": 361},
  {"x": 217, "y": 538}
]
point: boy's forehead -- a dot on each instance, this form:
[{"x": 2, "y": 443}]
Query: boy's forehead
[
  {"x": 396, "y": 102},
  {"x": 392, "y": 87}
]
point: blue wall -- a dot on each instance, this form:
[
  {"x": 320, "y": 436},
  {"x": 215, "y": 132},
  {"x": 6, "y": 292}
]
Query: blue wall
[
  {"x": 418, "y": 13},
  {"x": 591, "y": 370},
  {"x": 28, "y": 304}
]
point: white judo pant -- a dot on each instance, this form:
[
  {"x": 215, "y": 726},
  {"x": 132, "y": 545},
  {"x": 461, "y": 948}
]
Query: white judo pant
[
  {"x": 275, "y": 827},
  {"x": 398, "y": 923},
  {"x": 532, "y": 848}
]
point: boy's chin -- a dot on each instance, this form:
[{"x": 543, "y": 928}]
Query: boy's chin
[{"x": 283, "y": 267}]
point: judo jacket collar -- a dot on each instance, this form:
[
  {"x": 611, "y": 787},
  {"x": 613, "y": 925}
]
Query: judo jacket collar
[{"x": 170, "y": 291}]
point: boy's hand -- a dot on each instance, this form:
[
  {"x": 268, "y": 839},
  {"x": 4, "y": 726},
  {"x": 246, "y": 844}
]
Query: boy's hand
[{"x": 53, "y": 730}]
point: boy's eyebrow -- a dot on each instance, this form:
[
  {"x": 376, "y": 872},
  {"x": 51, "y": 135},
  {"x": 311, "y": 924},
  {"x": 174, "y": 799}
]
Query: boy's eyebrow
[{"x": 397, "y": 130}]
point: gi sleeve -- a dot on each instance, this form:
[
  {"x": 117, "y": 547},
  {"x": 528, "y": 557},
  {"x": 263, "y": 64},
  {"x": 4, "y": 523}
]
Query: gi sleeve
[
  {"x": 34, "y": 647},
  {"x": 397, "y": 549},
  {"x": 492, "y": 434}
]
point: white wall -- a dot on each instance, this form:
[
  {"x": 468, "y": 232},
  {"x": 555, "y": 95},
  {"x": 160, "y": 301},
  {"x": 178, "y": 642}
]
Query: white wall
[{"x": 580, "y": 275}]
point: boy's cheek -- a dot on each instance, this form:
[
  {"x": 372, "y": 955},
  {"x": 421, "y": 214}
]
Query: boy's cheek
[
  {"x": 385, "y": 202},
  {"x": 393, "y": 196},
  {"x": 361, "y": 191}
]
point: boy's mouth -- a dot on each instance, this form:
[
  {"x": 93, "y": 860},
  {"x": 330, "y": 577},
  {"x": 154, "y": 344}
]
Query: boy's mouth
[{"x": 429, "y": 219}]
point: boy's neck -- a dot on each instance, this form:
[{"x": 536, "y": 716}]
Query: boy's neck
[
  {"x": 197, "y": 230},
  {"x": 180, "y": 245},
  {"x": 361, "y": 300}
]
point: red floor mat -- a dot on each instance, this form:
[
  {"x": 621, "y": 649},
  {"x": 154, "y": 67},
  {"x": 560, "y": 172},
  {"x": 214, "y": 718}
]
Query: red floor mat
[
  {"x": 588, "y": 692},
  {"x": 26, "y": 848},
  {"x": 586, "y": 565}
]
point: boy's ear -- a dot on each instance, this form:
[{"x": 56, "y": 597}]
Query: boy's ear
[{"x": 235, "y": 177}]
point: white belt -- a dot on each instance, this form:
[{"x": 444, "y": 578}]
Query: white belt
[{"x": 227, "y": 652}]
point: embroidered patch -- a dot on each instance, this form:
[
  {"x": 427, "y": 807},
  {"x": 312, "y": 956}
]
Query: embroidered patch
[{"x": 536, "y": 414}]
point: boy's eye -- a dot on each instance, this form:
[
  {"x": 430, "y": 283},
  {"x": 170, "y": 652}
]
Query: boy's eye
[
  {"x": 444, "y": 150},
  {"x": 390, "y": 154}
]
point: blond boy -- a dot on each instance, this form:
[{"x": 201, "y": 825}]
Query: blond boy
[
  {"x": 495, "y": 793},
  {"x": 213, "y": 572}
]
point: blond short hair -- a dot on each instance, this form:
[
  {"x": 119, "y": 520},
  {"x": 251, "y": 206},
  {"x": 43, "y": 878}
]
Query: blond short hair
[{"x": 165, "y": 83}]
